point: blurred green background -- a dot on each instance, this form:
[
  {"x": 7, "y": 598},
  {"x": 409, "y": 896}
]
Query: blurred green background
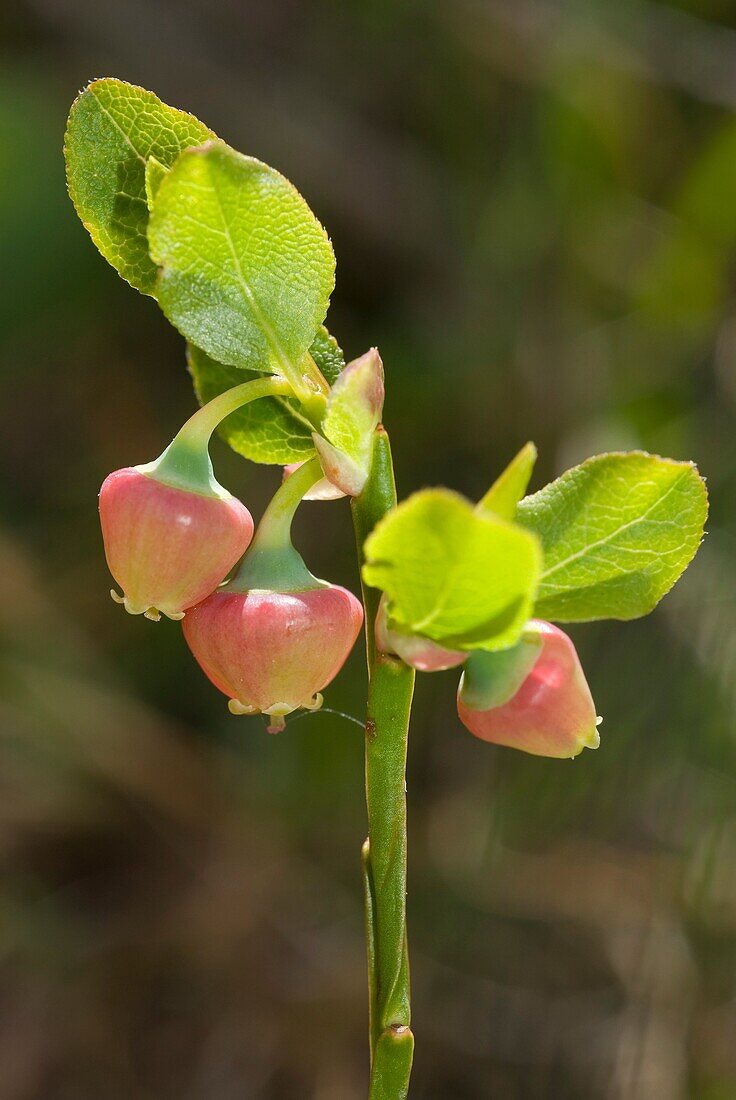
[{"x": 533, "y": 206}]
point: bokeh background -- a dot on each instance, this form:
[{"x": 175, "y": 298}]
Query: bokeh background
[{"x": 533, "y": 206}]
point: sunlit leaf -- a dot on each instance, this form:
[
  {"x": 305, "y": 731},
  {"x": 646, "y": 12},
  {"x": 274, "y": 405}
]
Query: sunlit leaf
[
  {"x": 617, "y": 532},
  {"x": 155, "y": 172},
  {"x": 462, "y": 579},
  {"x": 508, "y": 489},
  {"x": 113, "y": 129},
  {"x": 246, "y": 269}
]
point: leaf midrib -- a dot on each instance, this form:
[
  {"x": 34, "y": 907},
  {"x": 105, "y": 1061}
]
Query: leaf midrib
[
  {"x": 613, "y": 534},
  {"x": 118, "y": 127},
  {"x": 247, "y": 290}
]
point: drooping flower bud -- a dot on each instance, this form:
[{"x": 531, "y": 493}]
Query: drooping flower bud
[
  {"x": 420, "y": 653},
  {"x": 534, "y": 697},
  {"x": 271, "y": 652},
  {"x": 275, "y": 636},
  {"x": 168, "y": 547}
]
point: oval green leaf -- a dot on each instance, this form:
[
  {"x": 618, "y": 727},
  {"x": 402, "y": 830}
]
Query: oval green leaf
[
  {"x": 617, "y": 532},
  {"x": 465, "y": 580},
  {"x": 113, "y": 129},
  {"x": 246, "y": 269}
]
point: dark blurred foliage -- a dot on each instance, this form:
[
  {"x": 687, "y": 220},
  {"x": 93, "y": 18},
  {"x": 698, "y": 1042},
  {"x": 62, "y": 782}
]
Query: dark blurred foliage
[{"x": 533, "y": 205}]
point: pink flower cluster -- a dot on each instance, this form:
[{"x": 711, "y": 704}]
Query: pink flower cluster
[
  {"x": 169, "y": 549},
  {"x": 272, "y": 650}
]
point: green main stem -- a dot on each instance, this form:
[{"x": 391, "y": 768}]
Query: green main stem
[{"x": 390, "y": 690}]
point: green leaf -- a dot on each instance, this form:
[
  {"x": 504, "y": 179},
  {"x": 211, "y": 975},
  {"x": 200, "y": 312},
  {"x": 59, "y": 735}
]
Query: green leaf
[
  {"x": 508, "y": 489},
  {"x": 327, "y": 354},
  {"x": 246, "y": 269},
  {"x": 462, "y": 579},
  {"x": 155, "y": 172},
  {"x": 617, "y": 532},
  {"x": 271, "y": 430},
  {"x": 113, "y": 129}
]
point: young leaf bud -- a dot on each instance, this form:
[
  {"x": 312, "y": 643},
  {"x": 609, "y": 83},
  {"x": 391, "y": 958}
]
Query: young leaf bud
[
  {"x": 354, "y": 409},
  {"x": 540, "y": 704},
  {"x": 168, "y": 547},
  {"x": 420, "y": 653}
]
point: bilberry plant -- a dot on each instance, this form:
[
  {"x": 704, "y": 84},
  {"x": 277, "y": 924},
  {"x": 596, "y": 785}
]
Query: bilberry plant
[{"x": 243, "y": 270}]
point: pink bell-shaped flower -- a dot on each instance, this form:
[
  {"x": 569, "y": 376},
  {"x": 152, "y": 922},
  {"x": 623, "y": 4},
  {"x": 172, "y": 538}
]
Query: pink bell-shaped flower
[
  {"x": 172, "y": 533},
  {"x": 168, "y": 547},
  {"x": 275, "y": 636},
  {"x": 420, "y": 653},
  {"x": 272, "y": 652},
  {"x": 534, "y": 698}
]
